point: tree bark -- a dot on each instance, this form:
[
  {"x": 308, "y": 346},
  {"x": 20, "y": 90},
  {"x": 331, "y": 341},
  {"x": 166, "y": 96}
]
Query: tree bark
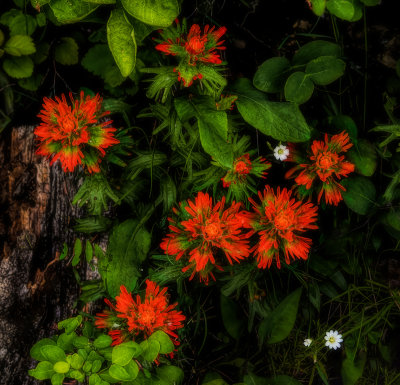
[{"x": 36, "y": 289}]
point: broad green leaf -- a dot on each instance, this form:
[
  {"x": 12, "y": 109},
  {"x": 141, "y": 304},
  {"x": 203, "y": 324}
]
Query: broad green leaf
[
  {"x": 18, "y": 45},
  {"x": 160, "y": 13},
  {"x": 171, "y": 374},
  {"x": 122, "y": 354},
  {"x": 121, "y": 40},
  {"x": 81, "y": 342},
  {"x": 76, "y": 361},
  {"x": 53, "y": 353},
  {"x": 364, "y": 157},
  {"x": 92, "y": 63},
  {"x": 57, "y": 379},
  {"x": 277, "y": 326},
  {"x": 35, "y": 351},
  {"x": 88, "y": 250},
  {"x": 61, "y": 367},
  {"x": 70, "y": 324},
  {"x": 65, "y": 341},
  {"x": 42, "y": 52},
  {"x": 283, "y": 121},
  {"x": 345, "y": 123},
  {"x": 359, "y": 195},
  {"x": 318, "y": 7},
  {"x": 71, "y": 11},
  {"x": 119, "y": 373},
  {"x": 151, "y": 349},
  {"x": 315, "y": 49},
  {"x": 166, "y": 345},
  {"x": 22, "y": 25},
  {"x": 32, "y": 83},
  {"x": 233, "y": 322},
  {"x": 66, "y": 51},
  {"x": 370, "y": 3},
  {"x": 43, "y": 371},
  {"x": 325, "y": 69},
  {"x": 343, "y": 9},
  {"x": 77, "y": 252},
  {"x": 127, "y": 249},
  {"x": 271, "y": 75},
  {"x": 18, "y": 67},
  {"x": 252, "y": 379},
  {"x": 41, "y": 19},
  {"x": 298, "y": 87},
  {"x": 352, "y": 370}
]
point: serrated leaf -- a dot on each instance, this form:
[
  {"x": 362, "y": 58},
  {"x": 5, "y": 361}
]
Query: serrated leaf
[
  {"x": 283, "y": 121},
  {"x": 315, "y": 49},
  {"x": 18, "y": 45},
  {"x": 298, "y": 88},
  {"x": 159, "y": 13},
  {"x": 32, "y": 83},
  {"x": 71, "y": 11},
  {"x": 325, "y": 69},
  {"x": 18, "y": 67},
  {"x": 121, "y": 40},
  {"x": 359, "y": 195},
  {"x": 270, "y": 75},
  {"x": 66, "y": 51},
  {"x": 22, "y": 25}
]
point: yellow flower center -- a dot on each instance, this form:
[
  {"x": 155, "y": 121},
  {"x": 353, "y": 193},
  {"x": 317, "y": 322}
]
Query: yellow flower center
[{"x": 331, "y": 340}]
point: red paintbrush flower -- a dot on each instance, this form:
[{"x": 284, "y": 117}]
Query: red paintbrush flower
[
  {"x": 326, "y": 165},
  {"x": 279, "y": 220},
  {"x": 72, "y": 132},
  {"x": 132, "y": 318},
  {"x": 199, "y": 229}
]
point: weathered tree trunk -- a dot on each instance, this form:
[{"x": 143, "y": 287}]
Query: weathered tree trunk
[{"x": 36, "y": 289}]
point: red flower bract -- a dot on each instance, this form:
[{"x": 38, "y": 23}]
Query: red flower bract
[
  {"x": 205, "y": 229},
  {"x": 132, "y": 318},
  {"x": 327, "y": 166},
  {"x": 279, "y": 219},
  {"x": 72, "y": 132}
]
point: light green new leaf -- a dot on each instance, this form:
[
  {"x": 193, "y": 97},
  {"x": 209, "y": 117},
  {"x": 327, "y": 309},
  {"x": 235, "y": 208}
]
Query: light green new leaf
[
  {"x": 18, "y": 45},
  {"x": 315, "y": 49},
  {"x": 298, "y": 88},
  {"x": 71, "y": 11},
  {"x": 66, "y": 51},
  {"x": 43, "y": 371},
  {"x": 121, "y": 40},
  {"x": 270, "y": 76},
  {"x": 325, "y": 69},
  {"x": 283, "y": 121},
  {"x": 318, "y": 7},
  {"x": 18, "y": 67},
  {"x": 160, "y": 13}
]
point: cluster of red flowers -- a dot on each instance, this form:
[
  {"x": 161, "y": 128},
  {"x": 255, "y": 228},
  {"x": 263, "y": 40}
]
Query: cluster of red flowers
[
  {"x": 194, "y": 49},
  {"x": 137, "y": 319},
  {"x": 73, "y": 133},
  {"x": 206, "y": 229},
  {"x": 324, "y": 167}
]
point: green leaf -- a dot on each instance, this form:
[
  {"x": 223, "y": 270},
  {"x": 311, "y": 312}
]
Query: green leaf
[
  {"x": 277, "y": 326},
  {"x": 119, "y": 373},
  {"x": 364, "y": 156},
  {"x": 22, "y": 25},
  {"x": 282, "y": 121},
  {"x": 66, "y": 51},
  {"x": 123, "y": 353},
  {"x": 61, "y": 367},
  {"x": 88, "y": 251},
  {"x": 65, "y": 341},
  {"x": 325, "y": 69},
  {"x": 171, "y": 374},
  {"x": 315, "y": 49},
  {"x": 166, "y": 345},
  {"x": 39, "y": 3},
  {"x": 102, "y": 341},
  {"x": 18, "y": 67},
  {"x": 298, "y": 88},
  {"x": 42, "y": 52},
  {"x": 352, "y": 370},
  {"x": 151, "y": 349},
  {"x": 70, "y": 324},
  {"x": 35, "y": 351},
  {"x": 270, "y": 76},
  {"x": 127, "y": 249},
  {"x": 343, "y": 9},
  {"x": 283, "y": 380},
  {"x": 43, "y": 371},
  {"x": 231, "y": 318},
  {"x": 344, "y": 122},
  {"x": 53, "y": 353},
  {"x": 95, "y": 379},
  {"x": 81, "y": 342},
  {"x": 370, "y": 3},
  {"x": 359, "y": 195},
  {"x": 32, "y": 83},
  {"x": 71, "y": 11},
  {"x": 18, "y": 45},
  {"x": 252, "y": 379},
  {"x": 57, "y": 379},
  {"x": 101, "y": 1},
  {"x": 76, "y": 361},
  {"x": 77, "y": 252},
  {"x": 98, "y": 67},
  {"x": 160, "y": 13},
  {"x": 41, "y": 19},
  {"x": 318, "y": 7},
  {"x": 121, "y": 40}
]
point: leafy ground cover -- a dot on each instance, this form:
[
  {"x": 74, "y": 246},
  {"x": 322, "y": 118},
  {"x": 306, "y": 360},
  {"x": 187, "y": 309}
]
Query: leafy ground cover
[{"x": 239, "y": 160}]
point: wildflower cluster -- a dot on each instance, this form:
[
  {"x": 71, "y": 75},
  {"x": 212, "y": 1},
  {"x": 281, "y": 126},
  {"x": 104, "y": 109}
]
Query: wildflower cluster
[
  {"x": 332, "y": 340},
  {"x": 73, "y": 132},
  {"x": 197, "y": 51},
  {"x": 137, "y": 318}
]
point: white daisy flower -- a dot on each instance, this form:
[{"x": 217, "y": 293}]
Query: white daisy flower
[
  {"x": 307, "y": 342},
  {"x": 281, "y": 152},
  {"x": 333, "y": 339}
]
